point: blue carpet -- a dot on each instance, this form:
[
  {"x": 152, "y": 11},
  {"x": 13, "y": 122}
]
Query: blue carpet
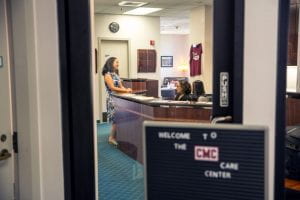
[{"x": 120, "y": 177}]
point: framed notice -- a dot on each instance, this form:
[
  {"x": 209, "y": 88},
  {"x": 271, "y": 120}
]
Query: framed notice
[
  {"x": 96, "y": 61},
  {"x": 192, "y": 161},
  {"x": 166, "y": 61}
]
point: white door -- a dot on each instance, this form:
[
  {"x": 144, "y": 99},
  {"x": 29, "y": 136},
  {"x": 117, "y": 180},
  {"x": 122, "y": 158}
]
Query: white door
[
  {"x": 112, "y": 48},
  {"x": 7, "y": 156},
  {"x": 119, "y": 49}
]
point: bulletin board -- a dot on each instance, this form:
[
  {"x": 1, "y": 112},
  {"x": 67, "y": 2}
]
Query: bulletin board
[
  {"x": 146, "y": 60},
  {"x": 192, "y": 161}
]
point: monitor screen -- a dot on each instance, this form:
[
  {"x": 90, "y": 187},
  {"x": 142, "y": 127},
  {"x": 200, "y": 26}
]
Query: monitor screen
[{"x": 204, "y": 162}]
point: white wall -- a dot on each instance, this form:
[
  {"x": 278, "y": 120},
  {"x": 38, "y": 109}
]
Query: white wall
[
  {"x": 178, "y": 47},
  {"x": 208, "y": 49},
  {"x": 201, "y": 32},
  {"x": 7, "y": 167},
  {"x": 260, "y": 58},
  {"x": 36, "y": 63},
  {"x": 95, "y": 103},
  {"x": 139, "y": 30}
]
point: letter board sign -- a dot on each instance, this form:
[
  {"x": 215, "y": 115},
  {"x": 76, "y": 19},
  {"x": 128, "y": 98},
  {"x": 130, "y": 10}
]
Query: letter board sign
[{"x": 205, "y": 162}]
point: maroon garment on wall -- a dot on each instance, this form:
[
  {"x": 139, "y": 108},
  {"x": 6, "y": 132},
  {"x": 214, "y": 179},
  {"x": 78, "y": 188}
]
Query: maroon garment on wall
[{"x": 195, "y": 59}]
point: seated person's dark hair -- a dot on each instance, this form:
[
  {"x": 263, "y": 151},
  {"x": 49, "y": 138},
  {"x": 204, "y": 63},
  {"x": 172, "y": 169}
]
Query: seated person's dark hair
[
  {"x": 186, "y": 91},
  {"x": 186, "y": 87},
  {"x": 198, "y": 88}
]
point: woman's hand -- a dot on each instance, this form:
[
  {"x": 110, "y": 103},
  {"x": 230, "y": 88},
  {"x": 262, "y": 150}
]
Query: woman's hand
[{"x": 128, "y": 90}]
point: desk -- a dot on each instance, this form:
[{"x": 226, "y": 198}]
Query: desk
[
  {"x": 131, "y": 113},
  {"x": 292, "y": 184},
  {"x": 292, "y": 189}
]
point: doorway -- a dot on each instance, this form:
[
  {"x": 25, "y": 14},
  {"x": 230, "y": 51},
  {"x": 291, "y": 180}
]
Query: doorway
[{"x": 224, "y": 35}]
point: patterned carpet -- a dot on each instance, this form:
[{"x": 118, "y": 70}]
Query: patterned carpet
[{"x": 120, "y": 177}]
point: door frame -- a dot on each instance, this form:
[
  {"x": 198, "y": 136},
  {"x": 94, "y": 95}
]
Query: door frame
[
  {"x": 228, "y": 56},
  {"x": 280, "y": 127},
  {"x": 99, "y": 57},
  {"x": 75, "y": 44},
  {"x": 232, "y": 62},
  {"x": 76, "y": 88}
]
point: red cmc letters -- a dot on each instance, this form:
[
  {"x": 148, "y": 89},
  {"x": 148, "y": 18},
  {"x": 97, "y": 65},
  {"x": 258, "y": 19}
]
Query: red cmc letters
[{"x": 207, "y": 153}]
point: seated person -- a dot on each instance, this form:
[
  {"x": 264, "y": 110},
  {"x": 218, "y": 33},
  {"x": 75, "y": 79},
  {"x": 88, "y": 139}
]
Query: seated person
[{"x": 183, "y": 91}]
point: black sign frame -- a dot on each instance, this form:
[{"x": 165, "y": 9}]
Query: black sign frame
[{"x": 218, "y": 127}]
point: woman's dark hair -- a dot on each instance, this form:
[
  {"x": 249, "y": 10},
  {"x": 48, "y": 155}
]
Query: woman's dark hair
[
  {"x": 198, "y": 88},
  {"x": 108, "y": 66},
  {"x": 186, "y": 87}
]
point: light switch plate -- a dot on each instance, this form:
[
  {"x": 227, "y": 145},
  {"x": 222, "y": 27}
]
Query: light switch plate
[{"x": 1, "y": 61}]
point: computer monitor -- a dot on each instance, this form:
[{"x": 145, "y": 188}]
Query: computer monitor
[{"x": 205, "y": 162}]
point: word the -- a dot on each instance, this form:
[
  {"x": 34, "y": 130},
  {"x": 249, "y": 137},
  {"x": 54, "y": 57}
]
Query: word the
[{"x": 181, "y": 147}]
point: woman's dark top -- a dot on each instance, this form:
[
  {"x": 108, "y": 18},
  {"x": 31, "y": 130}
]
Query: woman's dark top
[{"x": 183, "y": 97}]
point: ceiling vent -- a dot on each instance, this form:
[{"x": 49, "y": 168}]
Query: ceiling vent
[{"x": 132, "y": 3}]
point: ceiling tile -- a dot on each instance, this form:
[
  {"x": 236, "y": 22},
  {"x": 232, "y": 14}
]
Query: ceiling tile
[{"x": 170, "y": 7}]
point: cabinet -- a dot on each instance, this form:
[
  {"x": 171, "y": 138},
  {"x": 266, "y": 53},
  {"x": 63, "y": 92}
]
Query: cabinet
[
  {"x": 152, "y": 88},
  {"x": 292, "y": 111},
  {"x": 293, "y": 33},
  {"x": 147, "y": 87}
]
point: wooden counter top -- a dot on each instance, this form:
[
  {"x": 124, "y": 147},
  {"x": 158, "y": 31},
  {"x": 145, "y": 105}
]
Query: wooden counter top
[
  {"x": 156, "y": 102},
  {"x": 292, "y": 184}
]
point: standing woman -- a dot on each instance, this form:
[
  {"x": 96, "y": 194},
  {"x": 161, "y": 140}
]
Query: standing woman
[{"x": 112, "y": 84}]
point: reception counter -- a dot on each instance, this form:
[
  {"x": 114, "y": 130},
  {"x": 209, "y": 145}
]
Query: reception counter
[{"x": 133, "y": 110}]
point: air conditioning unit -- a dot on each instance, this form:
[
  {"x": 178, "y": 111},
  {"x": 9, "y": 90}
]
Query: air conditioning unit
[{"x": 132, "y": 3}]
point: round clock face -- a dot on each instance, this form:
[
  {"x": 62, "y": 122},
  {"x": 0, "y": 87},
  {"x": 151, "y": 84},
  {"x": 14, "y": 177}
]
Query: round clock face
[{"x": 114, "y": 27}]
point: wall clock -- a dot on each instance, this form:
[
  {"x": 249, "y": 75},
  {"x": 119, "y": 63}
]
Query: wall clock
[{"x": 114, "y": 27}]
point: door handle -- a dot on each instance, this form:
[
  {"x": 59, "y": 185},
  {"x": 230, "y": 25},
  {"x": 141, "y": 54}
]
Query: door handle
[
  {"x": 4, "y": 155},
  {"x": 221, "y": 119}
]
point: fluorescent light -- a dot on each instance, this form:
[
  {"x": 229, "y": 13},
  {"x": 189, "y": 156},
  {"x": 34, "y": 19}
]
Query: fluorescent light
[
  {"x": 142, "y": 11},
  {"x": 132, "y": 3}
]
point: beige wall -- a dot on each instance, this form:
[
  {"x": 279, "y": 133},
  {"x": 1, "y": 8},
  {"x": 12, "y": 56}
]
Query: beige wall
[
  {"x": 201, "y": 32},
  {"x": 139, "y": 30},
  {"x": 36, "y": 65},
  {"x": 7, "y": 171},
  {"x": 260, "y": 60},
  {"x": 178, "y": 47}
]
